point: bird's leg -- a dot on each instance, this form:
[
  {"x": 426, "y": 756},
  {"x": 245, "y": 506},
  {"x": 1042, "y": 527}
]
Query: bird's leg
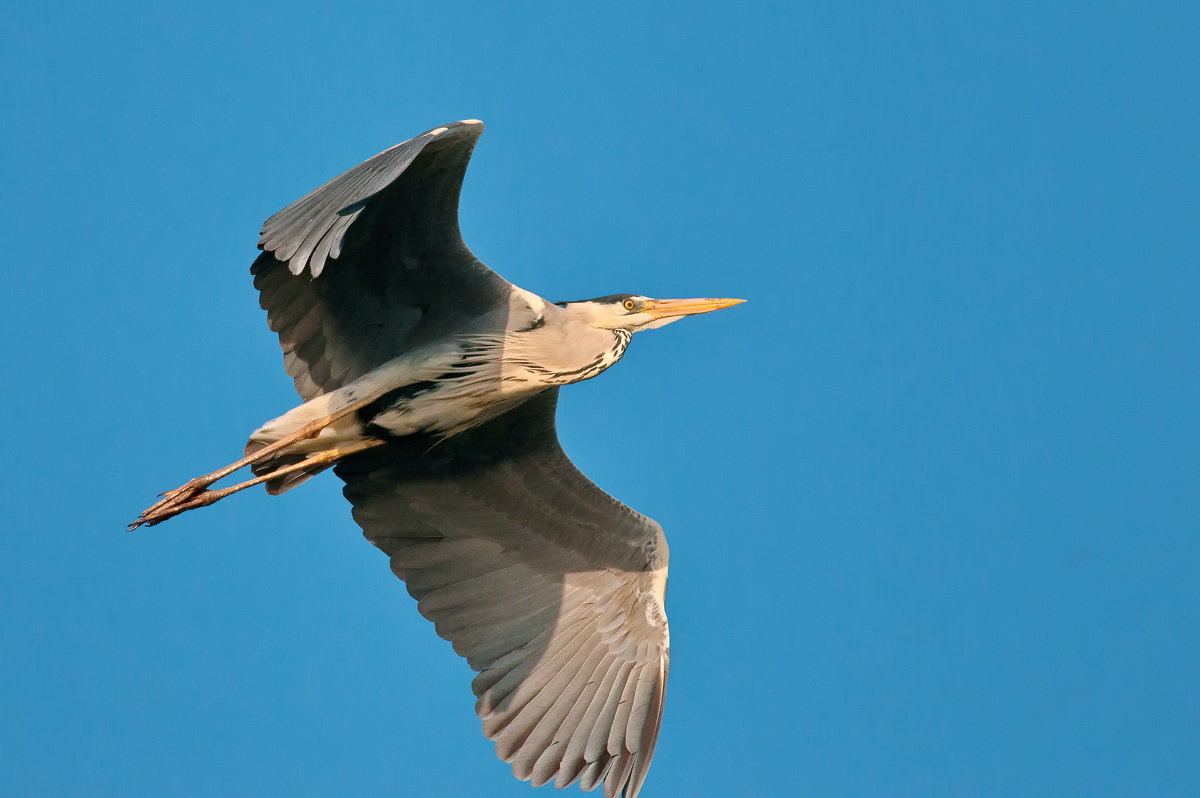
[
  {"x": 207, "y": 497},
  {"x": 193, "y": 487}
]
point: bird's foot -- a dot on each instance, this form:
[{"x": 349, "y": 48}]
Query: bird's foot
[
  {"x": 192, "y": 494},
  {"x": 181, "y": 494}
]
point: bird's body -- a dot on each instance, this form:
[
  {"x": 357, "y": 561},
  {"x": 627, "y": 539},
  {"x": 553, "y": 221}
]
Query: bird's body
[
  {"x": 445, "y": 389},
  {"x": 430, "y": 383}
]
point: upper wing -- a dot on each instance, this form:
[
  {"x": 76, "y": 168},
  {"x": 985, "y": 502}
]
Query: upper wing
[
  {"x": 552, "y": 589},
  {"x": 372, "y": 262}
]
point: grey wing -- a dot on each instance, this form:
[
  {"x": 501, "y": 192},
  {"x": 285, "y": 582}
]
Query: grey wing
[
  {"x": 372, "y": 263},
  {"x": 552, "y": 590}
]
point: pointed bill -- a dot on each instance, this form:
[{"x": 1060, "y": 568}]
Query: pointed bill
[{"x": 666, "y": 308}]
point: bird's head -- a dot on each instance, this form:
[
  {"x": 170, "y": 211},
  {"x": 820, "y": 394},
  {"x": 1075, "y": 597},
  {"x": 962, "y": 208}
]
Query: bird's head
[{"x": 633, "y": 312}]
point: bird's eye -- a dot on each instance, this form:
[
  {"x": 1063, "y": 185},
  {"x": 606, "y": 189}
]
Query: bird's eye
[{"x": 629, "y": 304}]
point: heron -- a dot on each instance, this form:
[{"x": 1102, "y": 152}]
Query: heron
[{"x": 429, "y": 384}]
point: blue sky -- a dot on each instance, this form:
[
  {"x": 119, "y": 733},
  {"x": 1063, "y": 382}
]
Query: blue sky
[{"x": 931, "y": 494}]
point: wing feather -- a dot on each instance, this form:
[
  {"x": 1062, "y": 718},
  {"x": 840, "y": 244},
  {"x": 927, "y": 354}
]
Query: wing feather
[
  {"x": 543, "y": 748},
  {"x": 594, "y": 773},
  {"x": 582, "y": 732},
  {"x": 372, "y": 262},
  {"x": 550, "y": 588},
  {"x": 562, "y": 757}
]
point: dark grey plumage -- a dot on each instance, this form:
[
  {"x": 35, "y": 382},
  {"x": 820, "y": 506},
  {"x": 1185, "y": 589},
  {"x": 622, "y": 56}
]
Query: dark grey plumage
[{"x": 402, "y": 276}]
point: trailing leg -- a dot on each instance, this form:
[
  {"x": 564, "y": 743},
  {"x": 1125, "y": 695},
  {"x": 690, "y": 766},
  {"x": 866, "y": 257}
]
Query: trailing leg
[
  {"x": 257, "y": 451},
  {"x": 203, "y": 498}
]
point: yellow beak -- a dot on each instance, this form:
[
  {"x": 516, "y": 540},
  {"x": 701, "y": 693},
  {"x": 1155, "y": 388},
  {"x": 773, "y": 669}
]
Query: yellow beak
[{"x": 665, "y": 308}]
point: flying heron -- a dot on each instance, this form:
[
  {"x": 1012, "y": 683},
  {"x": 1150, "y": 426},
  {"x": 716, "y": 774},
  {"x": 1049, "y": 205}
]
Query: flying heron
[{"x": 430, "y": 383}]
